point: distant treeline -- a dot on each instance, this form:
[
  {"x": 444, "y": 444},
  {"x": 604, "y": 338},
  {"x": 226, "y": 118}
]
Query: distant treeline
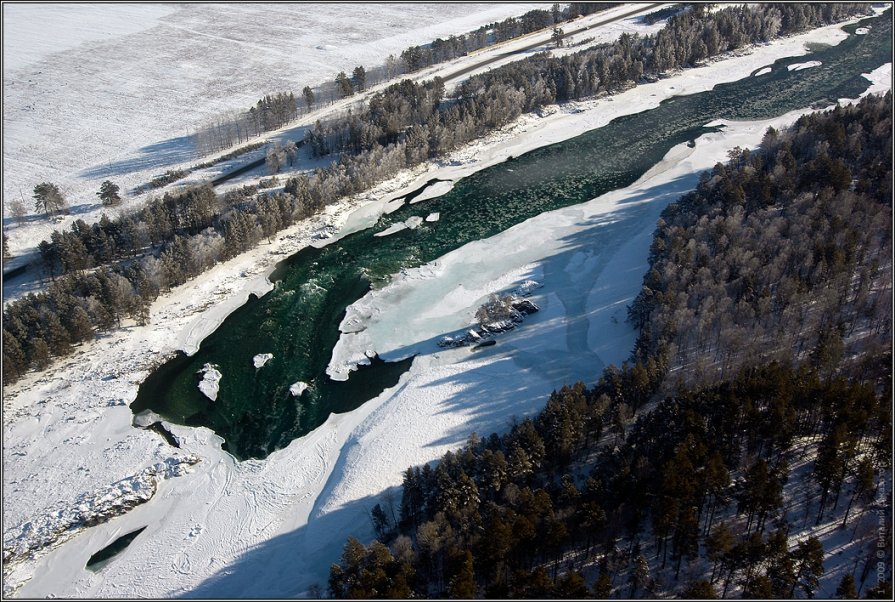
[
  {"x": 415, "y": 114},
  {"x": 401, "y": 127},
  {"x": 684, "y": 43},
  {"x": 415, "y": 58},
  {"x": 790, "y": 246},
  {"x": 274, "y": 111},
  {"x": 228, "y": 129},
  {"x": 663, "y": 13}
]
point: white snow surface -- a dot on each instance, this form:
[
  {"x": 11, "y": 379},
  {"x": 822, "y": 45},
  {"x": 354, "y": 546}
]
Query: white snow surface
[
  {"x": 763, "y": 71},
  {"x": 211, "y": 381},
  {"x": 271, "y": 528},
  {"x": 880, "y": 80},
  {"x": 261, "y": 359},
  {"x": 33, "y": 33}
]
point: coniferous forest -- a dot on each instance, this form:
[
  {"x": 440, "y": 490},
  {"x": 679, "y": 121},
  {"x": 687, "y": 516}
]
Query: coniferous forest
[{"x": 757, "y": 405}]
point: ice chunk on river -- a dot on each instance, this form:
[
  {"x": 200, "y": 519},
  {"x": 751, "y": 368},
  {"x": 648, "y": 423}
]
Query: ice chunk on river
[
  {"x": 261, "y": 359},
  {"x": 392, "y": 229},
  {"x": 210, "y": 382},
  {"x": 433, "y": 217},
  {"x": 298, "y": 388},
  {"x": 800, "y": 66},
  {"x": 435, "y": 190}
]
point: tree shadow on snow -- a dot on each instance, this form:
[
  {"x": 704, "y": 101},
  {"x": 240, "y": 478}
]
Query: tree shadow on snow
[
  {"x": 296, "y": 564},
  {"x": 566, "y": 340},
  {"x": 155, "y": 156}
]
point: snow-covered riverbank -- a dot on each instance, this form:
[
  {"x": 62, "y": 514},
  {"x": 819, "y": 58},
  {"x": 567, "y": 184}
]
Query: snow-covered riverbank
[{"x": 271, "y": 528}]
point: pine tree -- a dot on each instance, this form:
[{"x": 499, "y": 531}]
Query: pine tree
[
  {"x": 700, "y": 590},
  {"x": 640, "y": 576},
  {"x": 79, "y": 325},
  {"x": 381, "y": 523},
  {"x": 557, "y": 37},
  {"x": 308, "y": 95},
  {"x": 48, "y": 199},
  {"x": 14, "y": 361},
  {"x": 571, "y": 586},
  {"x": 864, "y": 486},
  {"x": 602, "y": 586},
  {"x": 343, "y": 84},
  {"x": 39, "y": 352},
  {"x": 809, "y": 557},
  {"x": 846, "y": 589},
  {"x": 108, "y": 193},
  {"x": 462, "y": 585},
  {"x": 359, "y": 78}
]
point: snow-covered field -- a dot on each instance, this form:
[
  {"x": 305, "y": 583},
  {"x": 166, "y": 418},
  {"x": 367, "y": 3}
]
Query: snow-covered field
[
  {"x": 271, "y": 528},
  {"x": 98, "y": 91},
  {"x": 153, "y": 159}
]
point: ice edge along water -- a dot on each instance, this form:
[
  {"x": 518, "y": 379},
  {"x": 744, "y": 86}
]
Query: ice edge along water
[{"x": 291, "y": 480}]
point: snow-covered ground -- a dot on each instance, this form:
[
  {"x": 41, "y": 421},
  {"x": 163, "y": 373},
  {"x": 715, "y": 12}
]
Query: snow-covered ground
[
  {"x": 97, "y": 91},
  {"x": 23, "y": 238},
  {"x": 271, "y": 528}
]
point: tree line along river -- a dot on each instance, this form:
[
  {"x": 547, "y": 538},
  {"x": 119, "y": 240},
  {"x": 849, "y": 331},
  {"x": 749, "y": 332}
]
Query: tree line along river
[{"x": 298, "y": 321}]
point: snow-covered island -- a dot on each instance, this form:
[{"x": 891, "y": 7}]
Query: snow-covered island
[{"x": 501, "y": 313}]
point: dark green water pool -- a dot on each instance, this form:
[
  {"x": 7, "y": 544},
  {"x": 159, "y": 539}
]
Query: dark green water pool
[{"x": 298, "y": 320}]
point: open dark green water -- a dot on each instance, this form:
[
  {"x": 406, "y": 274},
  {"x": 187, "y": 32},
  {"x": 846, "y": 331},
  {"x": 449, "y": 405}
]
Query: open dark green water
[
  {"x": 102, "y": 558},
  {"x": 298, "y": 320}
]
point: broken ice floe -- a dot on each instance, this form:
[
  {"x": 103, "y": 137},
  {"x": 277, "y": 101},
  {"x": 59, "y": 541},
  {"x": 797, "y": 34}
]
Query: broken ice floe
[
  {"x": 210, "y": 382},
  {"x": 800, "y": 66},
  {"x": 261, "y": 359}
]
